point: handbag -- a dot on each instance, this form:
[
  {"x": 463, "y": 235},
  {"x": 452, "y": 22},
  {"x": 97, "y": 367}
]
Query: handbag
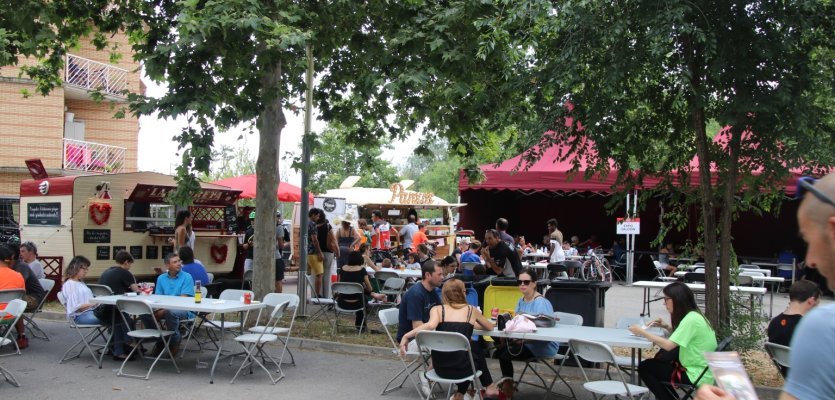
[
  {"x": 542, "y": 320},
  {"x": 520, "y": 324}
]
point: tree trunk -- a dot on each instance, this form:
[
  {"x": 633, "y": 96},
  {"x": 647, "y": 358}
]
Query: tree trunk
[
  {"x": 270, "y": 123},
  {"x": 726, "y": 223},
  {"x": 693, "y": 54}
]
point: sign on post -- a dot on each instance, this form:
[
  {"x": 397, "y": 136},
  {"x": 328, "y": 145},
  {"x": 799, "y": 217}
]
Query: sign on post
[{"x": 628, "y": 226}]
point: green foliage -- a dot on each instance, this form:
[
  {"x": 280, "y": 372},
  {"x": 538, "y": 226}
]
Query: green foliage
[{"x": 334, "y": 157}]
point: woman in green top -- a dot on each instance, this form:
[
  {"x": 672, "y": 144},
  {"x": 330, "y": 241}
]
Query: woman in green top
[{"x": 691, "y": 334}]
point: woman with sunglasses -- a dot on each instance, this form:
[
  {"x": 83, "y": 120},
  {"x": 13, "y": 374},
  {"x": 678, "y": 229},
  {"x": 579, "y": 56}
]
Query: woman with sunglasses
[
  {"x": 690, "y": 334},
  {"x": 532, "y": 302}
]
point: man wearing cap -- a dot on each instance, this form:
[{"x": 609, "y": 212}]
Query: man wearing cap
[
  {"x": 281, "y": 236},
  {"x": 249, "y": 244}
]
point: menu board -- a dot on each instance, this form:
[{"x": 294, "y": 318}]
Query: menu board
[
  {"x": 117, "y": 249},
  {"x": 43, "y": 213},
  {"x": 231, "y": 218},
  {"x": 152, "y": 252},
  {"x": 136, "y": 252},
  {"x": 166, "y": 250},
  {"x": 97, "y": 236},
  {"x": 102, "y": 252}
]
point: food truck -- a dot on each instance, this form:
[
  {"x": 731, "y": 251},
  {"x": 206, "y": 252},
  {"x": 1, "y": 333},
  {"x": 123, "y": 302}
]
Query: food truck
[
  {"x": 98, "y": 215},
  {"x": 394, "y": 202}
]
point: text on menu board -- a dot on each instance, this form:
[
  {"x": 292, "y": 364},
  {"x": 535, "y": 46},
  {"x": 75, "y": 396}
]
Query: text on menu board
[
  {"x": 44, "y": 213},
  {"x": 97, "y": 236}
]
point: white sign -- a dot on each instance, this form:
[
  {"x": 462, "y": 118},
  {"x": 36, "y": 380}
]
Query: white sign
[
  {"x": 628, "y": 226},
  {"x": 334, "y": 207}
]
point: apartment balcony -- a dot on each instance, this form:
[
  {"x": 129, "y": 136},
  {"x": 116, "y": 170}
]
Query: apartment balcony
[
  {"x": 83, "y": 76},
  {"x": 93, "y": 157}
]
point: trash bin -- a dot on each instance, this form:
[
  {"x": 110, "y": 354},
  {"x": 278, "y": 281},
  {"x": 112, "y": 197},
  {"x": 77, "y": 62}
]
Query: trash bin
[{"x": 586, "y": 298}]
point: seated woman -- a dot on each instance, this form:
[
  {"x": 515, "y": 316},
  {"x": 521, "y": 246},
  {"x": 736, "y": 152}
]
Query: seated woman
[
  {"x": 423, "y": 253},
  {"x": 412, "y": 261},
  {"x": 531, "y": 303},
  {"x": 691, "y": 334},
  {"x": 79, "y": 308},
  {"x": 355, "y": 272},
  {"x": 366, "y": 257},
  {"x": 455, "y": 315}
]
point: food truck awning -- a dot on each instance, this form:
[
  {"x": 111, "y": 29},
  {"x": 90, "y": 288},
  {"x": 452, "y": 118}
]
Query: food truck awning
[
  {"x": 388, "y": 197},
  {"x": 206, "y": 197}
]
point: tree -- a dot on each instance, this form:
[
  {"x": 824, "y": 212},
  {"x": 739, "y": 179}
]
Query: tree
[
  {"x": 335, "y": 158},
  {"x": 643, "y": 79}
]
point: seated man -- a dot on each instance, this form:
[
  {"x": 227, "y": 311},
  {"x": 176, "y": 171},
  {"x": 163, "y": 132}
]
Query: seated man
[
  {"x": 34, "y": 294},
  {"x": 415, "y": 305},
  {"x": 471, "y": 255},
  {"x": 192, "y": 266},
  {"x": 803, "y": 296},
  {"x": 175, "y": 282},
  {"x": 9, "y": 279},
  {"x": 120, "y": 280}
]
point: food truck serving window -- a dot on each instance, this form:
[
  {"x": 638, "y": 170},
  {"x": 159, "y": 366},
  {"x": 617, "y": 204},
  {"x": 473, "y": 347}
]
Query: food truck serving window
[{"x": 146, "y": 208}]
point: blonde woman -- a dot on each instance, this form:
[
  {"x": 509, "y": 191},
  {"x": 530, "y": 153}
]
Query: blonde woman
[{"x": 455, "y": 315}]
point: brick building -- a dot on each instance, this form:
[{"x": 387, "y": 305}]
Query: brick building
[{"x": 68, "y": 130}]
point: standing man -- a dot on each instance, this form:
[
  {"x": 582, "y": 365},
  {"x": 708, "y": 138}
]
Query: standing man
[
  {"x": 249, "y": 243},
  {"x": 812, "y": 357},
  {"x": 381, "y": 236},
  {"x": 281, "y": 236},
  {"x": 501, "y": 226},
  {"x": 315, "y": 256},
  {"x": 406, "y": 234},
  {"x": 29, "y": 255},
  {"x": 175, "y": 282},
  {"x": 499, "y": 258},
  {"x": 419, "y": 237}
]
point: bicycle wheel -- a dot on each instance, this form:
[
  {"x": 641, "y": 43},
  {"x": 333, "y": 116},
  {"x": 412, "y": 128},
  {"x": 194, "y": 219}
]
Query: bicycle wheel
[
  {"x": 605, "y": 271},
  {"x": 585, "y": 270}
]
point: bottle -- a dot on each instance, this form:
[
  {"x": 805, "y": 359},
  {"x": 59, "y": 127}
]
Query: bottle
[{"x": 198, "y": 295}]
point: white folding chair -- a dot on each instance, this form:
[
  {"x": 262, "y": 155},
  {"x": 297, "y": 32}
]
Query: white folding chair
[
  {"x": 273, "y": 300},
  {"x": 600, "y": 353},
  {"x": 548, "y": 362},
  {"x": 211, "y": 277},
  {"x": 390, "y": 318},
  {"x": 8, "y": 318},
  {"x": 383, "y": 276},
  {"x": 7, "y": 295},
  {"x": 780, "y": 355},
  {"x": 324, "y": 303},
  {"x": 190, "y": 324},
  {"x": 137, "y": 309},
  {"x": 448, "y": 342},
  {"x": 88, "y": 340},
  {"x": 100, "y": 290},
  {"x": 15, "y": 309},
  {"x": 29, "y": 320},
  {"x": 253, "y": 344},
  {"x": 348, "y": 288},
  {"x": 223, "y": 325}
]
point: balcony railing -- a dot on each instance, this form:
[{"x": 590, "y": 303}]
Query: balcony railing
[
  {"x": 93, "y": 75},
  {"x": 93, "y": 157}
]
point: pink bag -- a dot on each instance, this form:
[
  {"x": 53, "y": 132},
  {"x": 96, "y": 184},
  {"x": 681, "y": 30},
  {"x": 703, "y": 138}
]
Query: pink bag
[{"x": 520, "y": 324}]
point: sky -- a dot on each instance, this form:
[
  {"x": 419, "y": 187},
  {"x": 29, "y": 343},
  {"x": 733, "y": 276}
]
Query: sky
[{"x": 158, "y": 151}]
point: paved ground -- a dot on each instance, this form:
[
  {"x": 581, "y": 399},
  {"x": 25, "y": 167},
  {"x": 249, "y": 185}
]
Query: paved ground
[{"x": 348, "y": 373}]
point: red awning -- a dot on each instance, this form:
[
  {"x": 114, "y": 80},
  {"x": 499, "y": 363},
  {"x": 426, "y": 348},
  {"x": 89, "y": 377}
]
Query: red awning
[
  {"x": 246, "y": 184},
  {"x": 205, "y": 197}
]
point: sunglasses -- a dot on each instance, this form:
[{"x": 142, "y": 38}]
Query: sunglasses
[
  {"x": 525, "y": 282},
  {"x": 807, "y": 184}
]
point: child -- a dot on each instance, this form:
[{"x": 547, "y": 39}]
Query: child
[{"x": 412, "y": 261}]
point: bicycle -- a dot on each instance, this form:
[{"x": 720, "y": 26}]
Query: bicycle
[{"x": 596, "y": 268}]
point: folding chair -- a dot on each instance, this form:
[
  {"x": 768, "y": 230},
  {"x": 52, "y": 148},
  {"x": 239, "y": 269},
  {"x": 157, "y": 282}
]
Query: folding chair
[
  {"x": 29, "y": 320},
  {"x": 557, "y": 270},
  {"x": 87, "y": 340},
  {"x": 625, "y": 362},
  {"x": 780, "y": 355},
  {"x": 390, "y": 318},
  {"x": 14, "y": 309},
  {"x": 600, "y": 353},
  {"x": 690, "y": 390},
  {"x": 100, "y": 290},
  {"x": 189, "y": 325},
  {"x": 448, "y": 342},
  {"x": 383, "y": 276},
  {"x": 136, "y": 309},
  {"x": 619, "y": 267},
  {"x": 349, "y": 288},
  {"x": 6, "y": 296},
  {"x": 253, "y": 344},
  {"x": 273, "y": 300},
  {"x": 548, "y": 362},
  {"x": 214, "y": 324},
  {"x": 324, "y": 303},
  {"x": 393, "y": 288}
]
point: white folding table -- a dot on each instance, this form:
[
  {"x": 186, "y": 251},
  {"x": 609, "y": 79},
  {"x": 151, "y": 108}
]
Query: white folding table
[
  {"x": 406, "y": 273},
  {"x": 696, "y": 287},
  {"x": 183, "y": 303}
]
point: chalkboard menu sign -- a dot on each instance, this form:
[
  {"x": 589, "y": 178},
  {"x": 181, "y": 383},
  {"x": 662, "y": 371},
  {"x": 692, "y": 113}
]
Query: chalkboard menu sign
[
  {"x": 136, "y": 252},
  {"x": 117, "y": 249},
  {"x": 44, "y": 213},
  {"x": 102, "y": 252},
  {"x": 97, "y": 236},
  {"x": 167, "y": 249},
  {"x": 231, "y": 218},
  {"x": 151, "y": 252}
]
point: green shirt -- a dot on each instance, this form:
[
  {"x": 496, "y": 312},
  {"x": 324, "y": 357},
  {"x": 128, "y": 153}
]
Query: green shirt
[{"x": 694, "y": 337}]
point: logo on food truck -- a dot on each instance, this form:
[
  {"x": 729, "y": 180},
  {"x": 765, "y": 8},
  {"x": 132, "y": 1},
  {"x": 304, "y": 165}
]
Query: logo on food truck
[{"x": 407, "y": 197}]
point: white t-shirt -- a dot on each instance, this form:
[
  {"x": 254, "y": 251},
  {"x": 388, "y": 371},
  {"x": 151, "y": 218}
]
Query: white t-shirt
[{"x": 37, "y": 269}]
